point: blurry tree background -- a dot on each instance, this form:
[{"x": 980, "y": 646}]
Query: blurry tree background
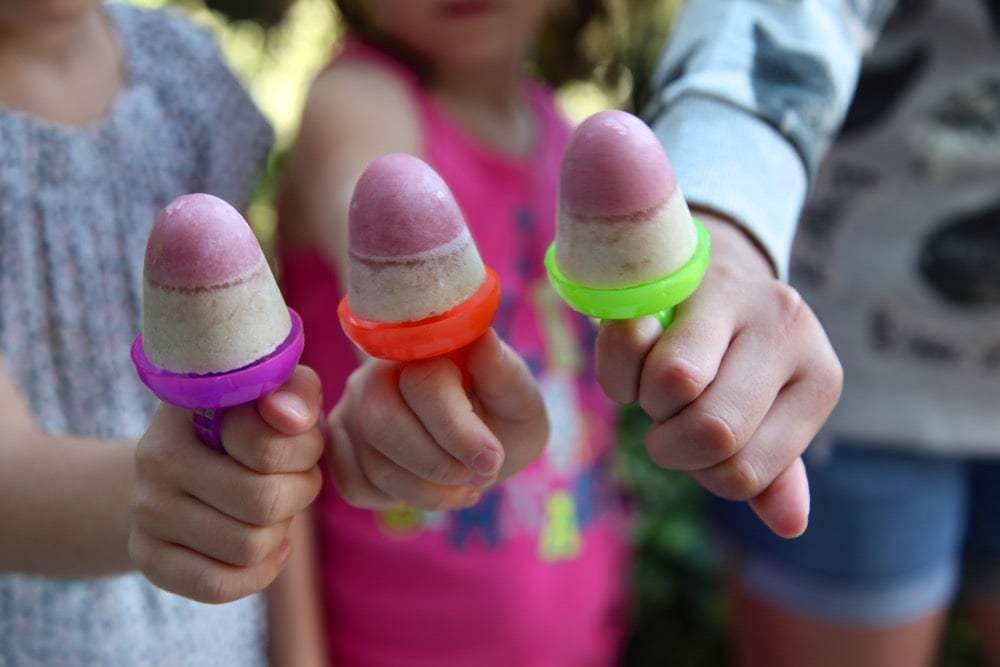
[{"x": 275, "y": 46}]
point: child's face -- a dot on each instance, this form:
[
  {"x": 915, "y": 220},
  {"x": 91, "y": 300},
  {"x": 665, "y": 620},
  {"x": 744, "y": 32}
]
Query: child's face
[
  {"x": 32, "y": 14},
  {"x": 462, "y": 32}
]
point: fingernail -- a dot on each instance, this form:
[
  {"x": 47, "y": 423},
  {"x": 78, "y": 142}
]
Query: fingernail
[
  {"x": 291, "y": 404},
  {"x": 486, "y": 463}
]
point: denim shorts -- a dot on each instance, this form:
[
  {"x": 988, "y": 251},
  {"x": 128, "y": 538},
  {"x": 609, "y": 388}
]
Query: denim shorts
[{"x": 891, "y": 537}]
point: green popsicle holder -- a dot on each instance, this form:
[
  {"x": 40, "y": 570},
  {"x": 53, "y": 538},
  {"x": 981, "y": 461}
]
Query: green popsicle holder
[{"x": 658, "y": 297}]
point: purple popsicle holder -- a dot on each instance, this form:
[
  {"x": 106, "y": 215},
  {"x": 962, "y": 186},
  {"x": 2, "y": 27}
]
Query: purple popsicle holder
[{"x": 210, "y": 394}]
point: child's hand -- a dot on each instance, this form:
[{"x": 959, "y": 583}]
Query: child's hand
[
  {"x": 736, "y": 387},
  {"x": 418, "y": 437},
  {"x": 213, "y": 527}
]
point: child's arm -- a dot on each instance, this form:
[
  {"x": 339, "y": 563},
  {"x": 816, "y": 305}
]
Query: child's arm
[
  {"x": 745, "y": 106},
  {"x": 355, "y": 114},
  {"x": 295, "y": 620},
  {"x": 63, "y": 499},
  {"x": 214, "y": 527}
]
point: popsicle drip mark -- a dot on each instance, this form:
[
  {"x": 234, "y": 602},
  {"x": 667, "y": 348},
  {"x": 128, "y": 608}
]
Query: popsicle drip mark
[
  {"x": 646, "y": 215},
  {"x": 447, "y": 249},
  {"x": 600, "y": 255},
  {"x": 390, "y": 291},
  {"x": 202, "y": 289}
]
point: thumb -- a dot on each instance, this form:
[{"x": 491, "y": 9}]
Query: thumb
[
  {"x": 509, "y": 400},
  {"x": 501, "y": 380},
  {"x": 784, "y": 506},
  {"x": 294, "y": 407}
]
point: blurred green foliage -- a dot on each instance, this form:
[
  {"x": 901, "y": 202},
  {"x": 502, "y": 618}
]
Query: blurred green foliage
[{"x": 680, "y": 611}]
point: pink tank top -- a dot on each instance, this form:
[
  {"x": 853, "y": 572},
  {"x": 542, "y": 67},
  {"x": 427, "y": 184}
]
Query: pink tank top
[{"x": 535, "y": 574}]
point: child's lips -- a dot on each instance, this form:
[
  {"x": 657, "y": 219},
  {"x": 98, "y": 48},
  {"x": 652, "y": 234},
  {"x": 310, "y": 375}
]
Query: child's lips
[{"x": 467, "y": 8}]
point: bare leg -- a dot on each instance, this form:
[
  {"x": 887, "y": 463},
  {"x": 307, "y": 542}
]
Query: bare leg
[
  {"x": 765, "y": 635},
  {"x": 985, "y": 616}
]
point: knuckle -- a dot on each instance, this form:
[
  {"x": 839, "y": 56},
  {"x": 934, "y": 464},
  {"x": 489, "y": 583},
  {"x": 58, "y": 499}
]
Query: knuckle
[
  {"x": 138, "y": 554},
  {"x": 361, "y": 496},
  {"x": 789, "y": 307},
  {"x": 353, "y": 497},
  {"x": 622, "y": 391},
  {"x": 352, "y": 484},
  {"x": 250, "y": 547},
  {"x": 213, "y": 586},
  {"x": 268, "y": 497},
  {"x": 684, "y": 381},
  {"x": 835, "y": 373},
  {"x": 312, "y": 483},
  {"x": 354, "y": 381},
  {"x": 151, "y": 456},
  {"x": 825, "y": 376},
  {"x": 828, "y": 393},
  {"x": 421, "y": 377},
  {"x": 371, "y": 421},
  {"x": 273, "y": 455},
  {"x": 444, "y": 471},
  {"x": 350, "y": 490},
  {"x": 382, "y": 477},
  {"x": 141, "y": 502},
  {"x": 736, "y": 479},
  {"x": 717, "y": 437}
]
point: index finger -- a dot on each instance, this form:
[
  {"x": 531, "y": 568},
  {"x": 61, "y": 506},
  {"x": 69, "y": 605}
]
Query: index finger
[
  {"x": 621, "y": 350},
  {"x": 433, "y": 390}
]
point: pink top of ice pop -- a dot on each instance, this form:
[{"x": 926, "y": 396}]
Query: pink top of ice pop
[
  {"x": 400, "y": 208},
  {"x": 198, "y": 241},
  {"x": 614, "y": 167}
]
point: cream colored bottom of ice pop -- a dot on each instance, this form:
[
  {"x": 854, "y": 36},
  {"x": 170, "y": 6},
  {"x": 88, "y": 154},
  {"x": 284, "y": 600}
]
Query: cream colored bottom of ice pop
[
  {"x": 215, "y": 329},
  {"x": 414, "y": 290},
  {"x": 611, "y": 255}
]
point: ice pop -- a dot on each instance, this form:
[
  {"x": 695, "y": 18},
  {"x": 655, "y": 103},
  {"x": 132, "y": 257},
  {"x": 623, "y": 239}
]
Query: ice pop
[
  {"x": 626, "y": 243},
  {"x": 417, "y": 287},
  {"x": 215, "y": 329}
]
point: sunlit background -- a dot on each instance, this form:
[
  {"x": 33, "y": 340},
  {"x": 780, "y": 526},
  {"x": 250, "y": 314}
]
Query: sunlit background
[
  {"x": 276, "y": 46},
  {"x": 277, "y": 62}
]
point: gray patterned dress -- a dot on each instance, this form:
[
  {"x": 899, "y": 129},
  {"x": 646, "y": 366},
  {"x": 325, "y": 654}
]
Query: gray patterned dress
[{"x": 76, "y": 205}]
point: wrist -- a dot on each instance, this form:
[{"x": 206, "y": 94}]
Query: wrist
[{"x": 734, "y": 245}]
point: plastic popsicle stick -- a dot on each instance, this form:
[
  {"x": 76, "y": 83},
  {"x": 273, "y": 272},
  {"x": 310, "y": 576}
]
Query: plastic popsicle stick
[{"x": 658, "y": 298}]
